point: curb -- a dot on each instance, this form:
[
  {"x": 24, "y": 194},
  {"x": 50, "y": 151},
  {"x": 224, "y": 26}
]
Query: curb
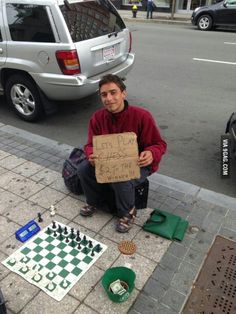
[{"x": 156, "y": 21}]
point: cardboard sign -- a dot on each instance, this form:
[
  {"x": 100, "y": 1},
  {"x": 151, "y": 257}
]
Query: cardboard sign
[{"x": 117, "y": 156}]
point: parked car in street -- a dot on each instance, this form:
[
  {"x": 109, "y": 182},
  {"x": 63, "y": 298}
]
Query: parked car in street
[
  {"x": 231, "y": 130},
  {"x": 220, "y": 14},
  {"x": 53, "y": 50}
]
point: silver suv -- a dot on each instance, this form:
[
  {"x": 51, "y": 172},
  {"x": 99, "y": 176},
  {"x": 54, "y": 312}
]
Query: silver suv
[{"x": 54, "y": 50}]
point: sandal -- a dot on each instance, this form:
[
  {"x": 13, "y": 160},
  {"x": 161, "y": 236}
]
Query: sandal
[
  {"x": 87, "y": 210},
  {"x": 126, "y": 223}
]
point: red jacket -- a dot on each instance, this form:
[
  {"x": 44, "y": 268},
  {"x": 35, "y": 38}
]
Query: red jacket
[{"x": 131, "y": 119}]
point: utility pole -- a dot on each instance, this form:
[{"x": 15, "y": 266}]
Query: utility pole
[{"x": 173, "y": 9}]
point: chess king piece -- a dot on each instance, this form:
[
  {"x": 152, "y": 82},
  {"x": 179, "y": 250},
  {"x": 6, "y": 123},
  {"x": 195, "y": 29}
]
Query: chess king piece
[{"x": 52, "y": 210}]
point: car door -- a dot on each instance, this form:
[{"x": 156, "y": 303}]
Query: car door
[
  {"x": 2, "y": 39},
  {"x": 226, "y": 13}
]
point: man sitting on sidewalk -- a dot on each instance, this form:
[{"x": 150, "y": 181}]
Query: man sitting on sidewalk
[{"x": 118, "y": 116}]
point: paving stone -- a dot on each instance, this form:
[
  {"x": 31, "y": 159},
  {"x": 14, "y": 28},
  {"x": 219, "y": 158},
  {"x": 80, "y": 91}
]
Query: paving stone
[
  {"x": 179, "y": 212},
  {"x": 8, "y": 201},
  {"x": 145, "y": 305},
  {"x": 182, "y": 280},
  {"x": 18, "y": 292},
  {"x": 7, "y": 228},
  {"x": 220, "y": 210},
  {"x": 170, "y": 204},
  {"x": 83, "y": 309},
  {"x": 142, "y": 266},
  {"x": 110, "y": 255},
  {"x": 99, "y": 301},
  {"x": 227, "y": 233},
  {"x": 194, "y": 257},
  {"x": 177, "y": 250},
  {"x": 4, "y": 271},
  {"x": 185, "y": 206},
  {"x": 151, "y": 245},
  {"x": 187, "y": 240},
  {"x": 229, "y": 223},
  {"x": 132, "y": 311},
  {"x": 142, "y": 216},
  {"x": 88, "y": 281},
  {"x": 11, "y": 162},
  {"x": 28, "y": 169},
  {"x": 177, "y": 195},
  {"x": 173, "y": 299},
  {"x": 202, "y": 242},
  {"x": 154, "y": 289},
  {"x": 163, "y": 275},
  {"x": 22, "y": 211},
  {"x": 108, "y": 231},
  {"x": 154, "y": 203},
  {"x": 210, "y": 225},
  {"x": 170, "y": 261},
  {"x": 204, "y": 204},
  {"x": 47, "y": 197},
  {"x": 46, "y": 163},
  {"x": 42, "y": 303},
  {"x": 2, "y": 170},
  {"x": 96, "y": 222},
  {"x": 46, "y": 176},
  {"x": 163, "y": 309},
  {"x": 19, "y": 185},
  {"x": 231, "y": 213},
  {"x": 60, "y": 186},
  {"x": 10, "y": 245}
]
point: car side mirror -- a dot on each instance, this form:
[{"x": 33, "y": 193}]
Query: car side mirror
[{"x": 225, "y": 4}]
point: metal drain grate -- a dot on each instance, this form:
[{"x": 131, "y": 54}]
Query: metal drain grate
[{"x": 214, "y": 291}]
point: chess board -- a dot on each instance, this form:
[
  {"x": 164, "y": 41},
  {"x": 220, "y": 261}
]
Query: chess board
[{"x": 52, "y": 261}]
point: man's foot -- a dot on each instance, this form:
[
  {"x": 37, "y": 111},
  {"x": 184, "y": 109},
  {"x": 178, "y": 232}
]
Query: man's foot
[
  {"x": 87, "y": 210},
  {"x": 125, "y": 223}
]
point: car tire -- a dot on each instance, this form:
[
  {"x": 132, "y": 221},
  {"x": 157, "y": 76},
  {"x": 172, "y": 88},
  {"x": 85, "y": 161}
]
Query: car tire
[
  {"x": 204, "y": 22},
  {"x": 24, "y": 98}
]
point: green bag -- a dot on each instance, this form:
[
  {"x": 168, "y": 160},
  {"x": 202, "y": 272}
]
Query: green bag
[{"x": 166, "y": 225}]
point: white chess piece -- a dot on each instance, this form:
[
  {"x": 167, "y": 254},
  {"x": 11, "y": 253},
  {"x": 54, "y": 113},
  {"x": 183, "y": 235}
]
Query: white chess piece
[
  {"x": 37, "y": 277},
  {"x": 12, "y": 260},
  {"x": 50, "y": 286},
  {"x": 24, "y": 267},
  {"x": 52, "y": 210},
  {"x": 50, "y": 275},
  {"x": 64, "y": 283},
  {"x": 25, "y": 259}
]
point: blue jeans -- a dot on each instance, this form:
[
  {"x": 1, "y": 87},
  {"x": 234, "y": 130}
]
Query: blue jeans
[
  {"x": 149, "y": 9},
  {"x": 124, "y": 191}
]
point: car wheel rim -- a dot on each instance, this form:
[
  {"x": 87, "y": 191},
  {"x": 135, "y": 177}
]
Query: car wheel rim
[
  {"x": 22, "y": 99},
  {"x": 204, "y": 23}
]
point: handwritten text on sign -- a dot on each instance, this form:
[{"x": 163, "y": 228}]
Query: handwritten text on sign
[{"x": 117, "y": 156}]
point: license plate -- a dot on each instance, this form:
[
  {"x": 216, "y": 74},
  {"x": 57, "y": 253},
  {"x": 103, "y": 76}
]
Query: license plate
[{"x": 109, "y": 53}]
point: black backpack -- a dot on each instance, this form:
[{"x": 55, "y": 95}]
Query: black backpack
[{"x": 70, "y": 170}]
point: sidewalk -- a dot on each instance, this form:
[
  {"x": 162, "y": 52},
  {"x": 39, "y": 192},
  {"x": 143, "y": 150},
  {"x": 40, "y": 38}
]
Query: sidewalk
[
  {"x": 158, "y": 17},
  {"x": 30, "y": 181}
]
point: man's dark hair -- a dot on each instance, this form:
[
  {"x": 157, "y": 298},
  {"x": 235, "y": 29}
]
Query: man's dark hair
[{"x": 110, "y": 78}]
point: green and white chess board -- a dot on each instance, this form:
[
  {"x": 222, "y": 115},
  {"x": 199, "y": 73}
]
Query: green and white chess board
[{"x": 55, "y": 261}]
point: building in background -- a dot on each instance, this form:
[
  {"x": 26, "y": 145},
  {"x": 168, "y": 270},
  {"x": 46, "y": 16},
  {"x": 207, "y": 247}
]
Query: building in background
[{"x": 181, "y": 6}]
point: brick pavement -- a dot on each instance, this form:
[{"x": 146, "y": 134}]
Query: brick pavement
[{"x": 30, "y": 181}]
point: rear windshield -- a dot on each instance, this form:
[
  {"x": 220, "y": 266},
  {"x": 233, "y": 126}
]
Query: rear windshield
[{"x": 90, "y": 19}]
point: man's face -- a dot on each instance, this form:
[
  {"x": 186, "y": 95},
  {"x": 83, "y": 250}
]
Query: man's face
[{"x": 112, "y": 97}]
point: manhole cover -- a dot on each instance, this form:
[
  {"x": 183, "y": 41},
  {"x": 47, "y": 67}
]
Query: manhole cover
[{"x": 214, "y": 291}]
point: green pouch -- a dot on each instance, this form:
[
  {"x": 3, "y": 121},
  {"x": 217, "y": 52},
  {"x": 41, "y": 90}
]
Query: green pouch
[{"x": 166, "y": 225}]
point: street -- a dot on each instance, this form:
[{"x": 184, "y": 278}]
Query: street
[{"x": 186, "y": 78}]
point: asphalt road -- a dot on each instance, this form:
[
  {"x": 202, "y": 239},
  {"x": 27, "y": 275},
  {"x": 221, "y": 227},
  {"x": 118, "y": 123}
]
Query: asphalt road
[{"x": 191, "y": 100}]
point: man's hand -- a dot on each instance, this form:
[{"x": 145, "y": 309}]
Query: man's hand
[
  {"x": 145, "y": 158},
  {"x": 92, "y": 159}
]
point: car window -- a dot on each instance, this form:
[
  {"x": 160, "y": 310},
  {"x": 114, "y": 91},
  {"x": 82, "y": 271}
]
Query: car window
[
  {"x": 29, "y": 22},
  {"x": 90, "y": 19},
  {"x": 231, "y": 2},
  {"x": 0, "y": 35}
]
